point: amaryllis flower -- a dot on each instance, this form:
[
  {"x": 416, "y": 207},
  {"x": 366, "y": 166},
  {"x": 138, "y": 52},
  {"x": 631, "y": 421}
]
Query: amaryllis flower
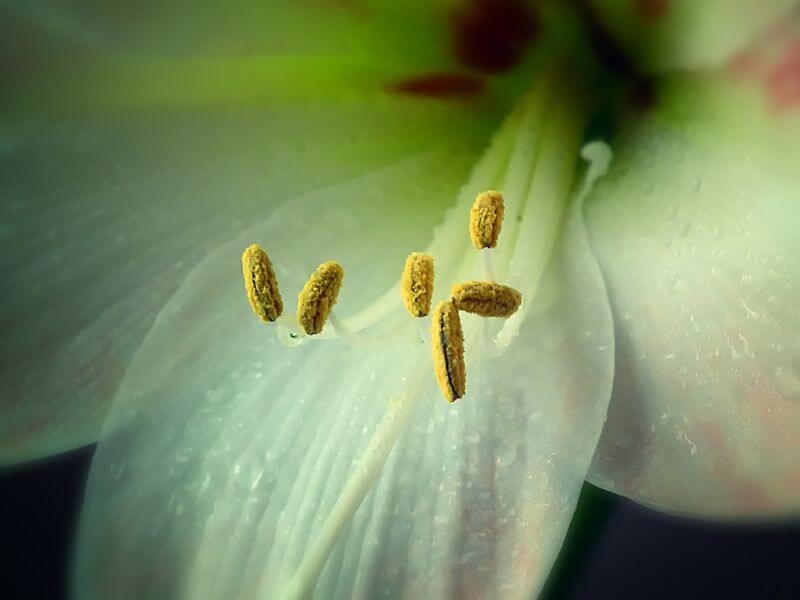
[{"x": 655, "y": 351}]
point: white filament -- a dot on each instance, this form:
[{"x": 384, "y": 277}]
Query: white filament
[{"x": 360, "y": 482}]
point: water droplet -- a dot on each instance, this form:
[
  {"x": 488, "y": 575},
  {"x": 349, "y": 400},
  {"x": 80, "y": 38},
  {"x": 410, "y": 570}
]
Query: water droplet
[
  {"x": 506, "y": 454},
  {"x": 672, "y": 211},
  {"x": 288, "y": 332}
]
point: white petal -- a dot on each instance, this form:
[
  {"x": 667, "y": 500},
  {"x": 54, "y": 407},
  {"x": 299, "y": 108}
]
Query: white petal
[
  {"x": 227, "y": 451},
  {"x": 696, "y": 232},
  {"x": 102, "y": 219}
]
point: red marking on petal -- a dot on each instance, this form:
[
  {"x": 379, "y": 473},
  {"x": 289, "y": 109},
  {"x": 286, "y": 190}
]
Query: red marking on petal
[
  {"x": 651, "y": 9},
  {"x": 783, "y": 81},
  {"x": 492, "y": 36},
  {"x": 440, "y": 85}
]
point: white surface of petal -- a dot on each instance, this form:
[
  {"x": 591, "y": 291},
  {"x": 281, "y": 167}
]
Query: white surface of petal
[{"x": 696, "y": 232}]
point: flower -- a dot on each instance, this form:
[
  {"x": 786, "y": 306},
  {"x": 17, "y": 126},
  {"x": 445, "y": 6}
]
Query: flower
[{"x": 231, "y": 465}]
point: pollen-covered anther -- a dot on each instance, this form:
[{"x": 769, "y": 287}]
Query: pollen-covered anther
[
  {"x": 318, "y": 297},
  {"x": 486, "y": 298},
  {"x": 486, "y": 219},
  {"x": 416, "y": 284},
  {"x": 261, "y": 284},
  {"x": 447, "y": 340}
]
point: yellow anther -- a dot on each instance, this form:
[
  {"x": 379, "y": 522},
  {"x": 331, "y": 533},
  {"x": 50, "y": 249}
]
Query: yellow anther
[
  {"x": 486, "y": 299},
  {"x": 448, "y": 351},
  {"x": 318, "y": 297},
  {"x": 486, "y": 219},
  {"x": 261, "y": 285},
  {"x": 417, "y": 284}
]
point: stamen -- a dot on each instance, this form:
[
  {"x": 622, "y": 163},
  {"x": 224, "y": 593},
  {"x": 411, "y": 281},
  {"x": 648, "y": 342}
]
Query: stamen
[
  {"x": 261, "y": 284},
  {"x": 486, "y": 219},
  {"x": 447, "y": 339},
  {"x": 318, "y": 297},
  {"x": 416, "y": 284},
  {"x": 486, "y": 299},
  {"x": 516, "y": 176}
]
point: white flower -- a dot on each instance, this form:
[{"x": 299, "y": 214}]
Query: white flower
[{"x": 233, "y": 466}]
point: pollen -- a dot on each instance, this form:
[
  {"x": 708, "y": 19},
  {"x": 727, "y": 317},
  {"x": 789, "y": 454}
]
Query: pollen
[
  {"x": 416, "y": 284},
  {"x": 447, "y": 340},
  {"x": 486, "y": 219},
  {"x": 486, "y": 299},
  {"x": 261, "y": 284},
  {"x": 318, "y": 297}
]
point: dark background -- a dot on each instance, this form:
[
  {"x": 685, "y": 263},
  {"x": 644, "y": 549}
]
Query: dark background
[{"x": 615, "y": 549}]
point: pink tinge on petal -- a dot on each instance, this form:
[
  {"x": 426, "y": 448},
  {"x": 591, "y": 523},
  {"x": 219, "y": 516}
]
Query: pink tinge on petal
[
  {"x": 724, "y": 461},
  {"x": 747, "y": 64},
  {"x": 783, "y": 80},
  {"x": 773, "y": 63}
]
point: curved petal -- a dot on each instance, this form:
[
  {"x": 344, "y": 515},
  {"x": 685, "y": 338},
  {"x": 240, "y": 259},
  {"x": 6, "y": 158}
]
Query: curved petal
[
  {"x": 103, "y": 217},
  {"x": 663, "y": 35},
  {"x": 696, "y": 233},
  {"x": 227, "y": 454}
]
